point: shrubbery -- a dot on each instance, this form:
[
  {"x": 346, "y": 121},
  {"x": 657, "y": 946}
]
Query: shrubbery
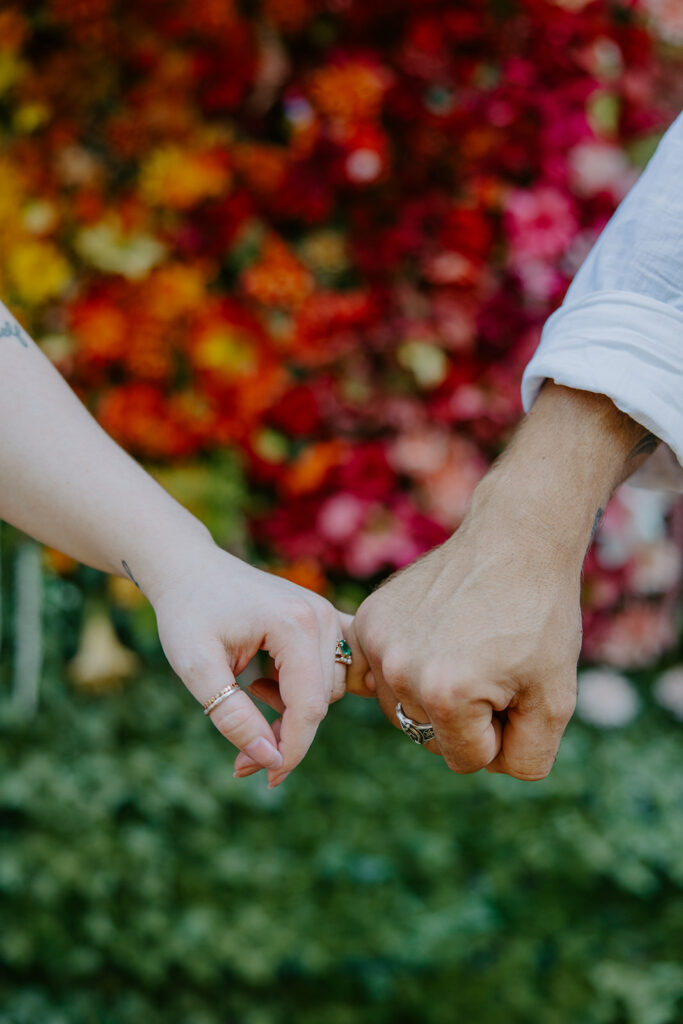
[{"x": 141, "y": 882}]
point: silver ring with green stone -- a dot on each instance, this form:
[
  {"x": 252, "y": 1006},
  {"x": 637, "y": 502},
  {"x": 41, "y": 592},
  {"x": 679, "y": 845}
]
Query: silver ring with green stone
[{"x": 342, "y": 653}]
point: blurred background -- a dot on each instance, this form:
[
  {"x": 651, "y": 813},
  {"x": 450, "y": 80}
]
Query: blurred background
[{"x": 294, "y": 256}]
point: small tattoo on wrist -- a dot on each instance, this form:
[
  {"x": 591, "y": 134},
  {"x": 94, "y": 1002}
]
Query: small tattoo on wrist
[
  {"x": 645, "y": 446},
  {"x": 129, "y": 574},
  {"x": 11, "y": 329},
  {"x": 596, "y": 524}
]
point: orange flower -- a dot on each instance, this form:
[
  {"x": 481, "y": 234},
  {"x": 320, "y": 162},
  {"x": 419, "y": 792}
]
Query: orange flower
[
  {"x": 263, "y": 167},
  {"x": 305, "y": 573},
  {"x": 101, "y": 329},
  {"x": 148, "y": 353},
  {"x": 13, "y": 31},
  {"x": 307, "y": 473},
  {"x": 289, "y": 15},
  {"x": 349, "y": 92},
  {"x": 58, "y": 562},
  {"x": 174, "y": 290},
  {"x": 278, "y": 279}
]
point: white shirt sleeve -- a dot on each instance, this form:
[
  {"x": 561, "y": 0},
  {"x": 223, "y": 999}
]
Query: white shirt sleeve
[{"x": 619, "y": 331}]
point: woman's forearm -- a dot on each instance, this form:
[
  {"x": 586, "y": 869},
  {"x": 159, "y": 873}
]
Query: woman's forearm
[{"x": 64, "y": 481}]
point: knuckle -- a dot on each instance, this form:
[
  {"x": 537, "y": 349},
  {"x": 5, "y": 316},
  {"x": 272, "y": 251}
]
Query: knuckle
[
  {"x": 338, "y": 691},
  {"x": 314, "y": 710},
  {"x": 302, "y": 614},
  {"x": 395, "y": 666},
  {"x": 561, "y": 711},
  {"x": 441, "y": 690},
  {"x": 194, "y": 663},
  {"x": 233, "y": 720},
  {"x": 442, "y": 694}
]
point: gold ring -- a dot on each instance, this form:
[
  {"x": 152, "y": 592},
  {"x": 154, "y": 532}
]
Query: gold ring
[
  {"x": 342, "y": 653},
  {"x": 220, "y": 697}
]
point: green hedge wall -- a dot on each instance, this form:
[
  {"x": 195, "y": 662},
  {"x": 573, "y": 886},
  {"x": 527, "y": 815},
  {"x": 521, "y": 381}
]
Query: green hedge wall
[{"x": 139, "y": 882}]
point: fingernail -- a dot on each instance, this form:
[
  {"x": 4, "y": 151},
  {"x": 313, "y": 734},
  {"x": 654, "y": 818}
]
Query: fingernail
[
  {"x": 264, "y": 753},
  {"x": 276, "y": 780},
  {"x": 242, "y": 761},
  {"x": 242, "y": 773}
]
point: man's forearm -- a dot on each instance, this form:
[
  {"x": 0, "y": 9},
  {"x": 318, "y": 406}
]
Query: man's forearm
[{"x": 555, "y": 479}]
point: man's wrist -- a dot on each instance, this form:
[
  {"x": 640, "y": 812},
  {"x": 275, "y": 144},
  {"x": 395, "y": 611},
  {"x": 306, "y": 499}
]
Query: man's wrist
[{"x": 550, "y": 487}]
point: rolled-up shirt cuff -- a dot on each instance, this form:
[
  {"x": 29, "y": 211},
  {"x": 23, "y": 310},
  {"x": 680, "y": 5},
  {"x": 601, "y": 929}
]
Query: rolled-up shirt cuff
[{"x": 626, "y": 346}]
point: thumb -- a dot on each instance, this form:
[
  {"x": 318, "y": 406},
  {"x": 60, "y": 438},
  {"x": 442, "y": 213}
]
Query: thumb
[
  {"x": 236, "y": 717},
  {"x": 359, "y": 678}
]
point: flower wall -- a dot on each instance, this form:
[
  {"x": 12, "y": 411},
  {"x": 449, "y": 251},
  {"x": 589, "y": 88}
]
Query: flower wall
[{"x": 322, "y": 236}]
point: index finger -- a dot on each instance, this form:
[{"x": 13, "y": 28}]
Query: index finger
[{"x": 303, "y": 692}]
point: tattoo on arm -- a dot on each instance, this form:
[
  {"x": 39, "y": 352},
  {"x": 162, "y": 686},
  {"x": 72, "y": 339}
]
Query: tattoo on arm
[
  {"x": 11, "y": 329},
  {"x": 645, "y": 446},
  {"x": 129, "y": 574},
  {"x": 596, "y": 524}
]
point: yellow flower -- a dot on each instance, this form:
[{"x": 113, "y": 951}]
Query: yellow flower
[
  {"x": 11, "y": 196},
  {"x": 226, "y": 349},
  {"x": 173, "y": 177},
  {"x": 106, "y": 246},
  {"x": 325, "y": 251},
  {"x": 37, "y": 271},
  {"x": 428, "y": 363}
]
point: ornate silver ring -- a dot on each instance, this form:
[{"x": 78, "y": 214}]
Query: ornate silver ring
[{"x": 416, "y": 731}]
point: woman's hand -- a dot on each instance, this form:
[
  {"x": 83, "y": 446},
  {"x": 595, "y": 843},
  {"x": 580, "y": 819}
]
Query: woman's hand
[{"x": 214, "y": 614}]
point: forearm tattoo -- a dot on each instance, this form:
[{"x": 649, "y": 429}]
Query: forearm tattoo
[
  {"x": 596, "y": 524},
  {"x": 645, "y": 446},
  {"x": 11, "y": 329},
  {"x": 129, "y": 574}
]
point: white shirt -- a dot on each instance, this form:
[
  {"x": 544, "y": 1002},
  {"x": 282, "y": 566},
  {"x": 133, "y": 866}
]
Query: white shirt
[{"x": 619, "y": 331}]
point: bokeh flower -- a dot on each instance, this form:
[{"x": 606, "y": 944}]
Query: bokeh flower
[
  {"x": 668, "y": 691},
  {"x": 606, "y": 698},
  {"x": 330, "y": 248}
]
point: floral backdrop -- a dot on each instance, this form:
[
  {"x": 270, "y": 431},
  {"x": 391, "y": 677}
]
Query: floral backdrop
[
  {"x": 309, "y": 245},
  {"x": 294, "y": 255}
]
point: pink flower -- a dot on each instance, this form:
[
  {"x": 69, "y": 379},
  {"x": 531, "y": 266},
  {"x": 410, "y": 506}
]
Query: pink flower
[
  {"x": 632, "y": 638},
  {"x": 541, "y": 223},
  {"x": 666, "y": 16},
  {"x": 420, "y": 452},
  {"x": 655, "y": 568},
  {"x": 341, "y": 516},
  {"x": 540, "y": 281},
  {"x": 600, "y": 167},
  {"x": 448, "y": 490}
]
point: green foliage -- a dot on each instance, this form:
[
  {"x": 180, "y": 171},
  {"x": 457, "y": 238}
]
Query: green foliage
[{"x": 140, "y": 882}]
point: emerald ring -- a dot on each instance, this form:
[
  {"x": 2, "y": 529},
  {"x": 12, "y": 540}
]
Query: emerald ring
[{"x": 342, "y": 653}]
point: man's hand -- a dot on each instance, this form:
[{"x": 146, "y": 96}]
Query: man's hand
[{"x": 481, "y": 637}]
